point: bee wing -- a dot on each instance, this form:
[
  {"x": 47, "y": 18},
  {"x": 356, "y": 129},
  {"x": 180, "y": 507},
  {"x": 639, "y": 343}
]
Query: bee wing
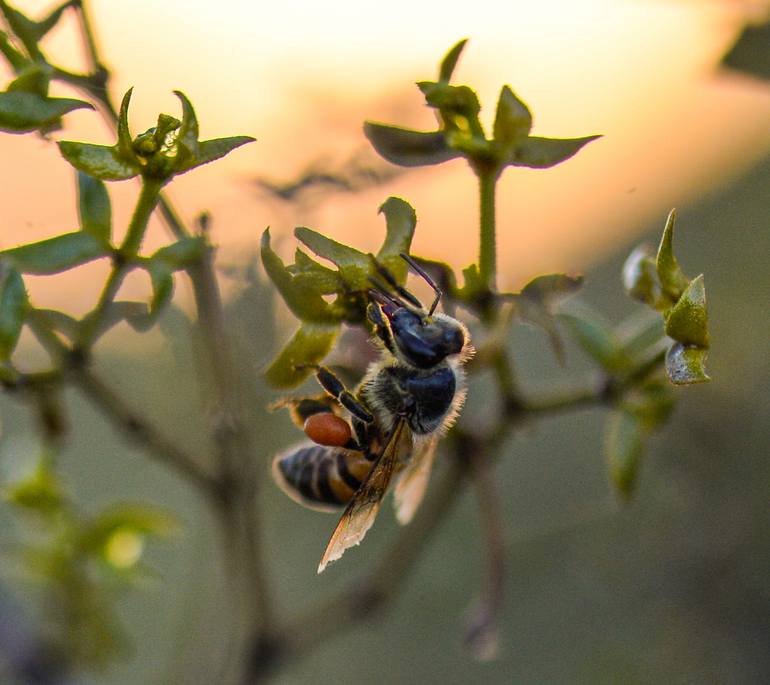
[
  {"x": 362, "y": 509},
  {"x": 413, "y": 481}
]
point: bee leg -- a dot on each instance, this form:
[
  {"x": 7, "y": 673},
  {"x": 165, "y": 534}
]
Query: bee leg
[
  {"x": 335, "y": 387},
  {"x": 381, "y": 328}
]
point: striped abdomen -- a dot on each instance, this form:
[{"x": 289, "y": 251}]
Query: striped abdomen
[{"x": 320, "y": 477}]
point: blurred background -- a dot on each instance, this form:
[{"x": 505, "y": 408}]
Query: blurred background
[{"x": 672, "y": 587}]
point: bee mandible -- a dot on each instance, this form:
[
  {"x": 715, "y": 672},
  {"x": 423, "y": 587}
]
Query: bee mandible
[{"x": 406, "y": 401}]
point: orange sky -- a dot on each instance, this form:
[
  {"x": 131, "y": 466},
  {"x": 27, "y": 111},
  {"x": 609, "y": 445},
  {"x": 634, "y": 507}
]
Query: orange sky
[{"x": 301, "y": 77}]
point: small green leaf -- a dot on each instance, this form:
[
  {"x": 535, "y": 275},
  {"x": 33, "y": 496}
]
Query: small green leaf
[
  {"x": 162, "y": 281},
  {"x": 40, "y": 493},
  {"x": 16, "y": 60},
  {"x": 637, "y": 334},
  {"x": 354, "y": 266},
  {"x": 306, "y": 303},
  {"x": 125, "y": 146},
  {"x": 210, "y": 150},
  {"x": 451, "y": 100},
  {"x": 309, "y": 345},
  {"x": 541, "y": 153},
  {"x": 13, "y": 309},
  {"x": 59, "y": 321},
  {"x": 687, "y": 320},
  {"x": 309, "y": 273},
  {"x": 535, "y": 301},
  {"x": 188, "y": 132},
  {"x": 624, "y": 442},
  {"x": 45, "y": 25},
  {"x": 672, "y": 280},
  {"x": 138, "y": 518},
  {"x": 181, "y": 254},
  {"x": 449, "y": 62},
  {"x": 94, "y": 207},
  {"x": 408, "y": 148},
  {"x": 640, "y": 278},
  {"x": 56, "y": 254},
  {"x": 32, "y": 79},
  {"x": 99, "y": 161},
  {"x": 686, "y": 365},
  {"x": 513, "y": 120},
  {"x": 401, "y": 221},
  {"x": 654, "y": 406},
  {"x": 596, "y": 338},
  {"x": 21, "y": 112}
]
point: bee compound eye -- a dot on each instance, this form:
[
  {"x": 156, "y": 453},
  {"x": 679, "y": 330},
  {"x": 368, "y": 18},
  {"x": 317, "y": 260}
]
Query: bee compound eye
[{"x": 328, "y": 429}]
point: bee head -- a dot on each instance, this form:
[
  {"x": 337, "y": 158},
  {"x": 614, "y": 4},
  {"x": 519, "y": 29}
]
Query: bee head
[
  {"x": 420, "y": 337},
  {"x": 425, "y": 341}
]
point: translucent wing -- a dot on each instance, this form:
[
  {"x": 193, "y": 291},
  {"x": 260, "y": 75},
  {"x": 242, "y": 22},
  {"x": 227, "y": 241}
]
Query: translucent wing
[
  {"x": 362, "y": 509},
  {"x": 413, "y": 481}
]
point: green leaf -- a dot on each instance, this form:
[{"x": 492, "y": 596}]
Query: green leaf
[
  {"x": 686, "y": 365},
  {"x": 59, "y": 321},
  {"x": 45, "y": 25},
  {"x": 309, "y": 345},
  {"x": 142, "y": 519},
  {"x": 408, "y": 148},
  {"x": 637, "y": 334},
  {"x": 513, "y": 120},
  {"x": 57, "y": 254},
  {"x": 212, "y": 149},
  {"x": 33, "y": 78},
  {"x": 535, "y": 301},
  {"x": 654, "y": 405},
  {"x": 672, "y": 279},
  {"x": 16, "y": 60},
  {"x": 451, "y": 100},
  {"x": 449, "y": 62},
  {"x": 309, "y": 273},
  {"x": 162, "y": 280},
  {"x": 596, "y": 338},
  {"x": 687, "y": 320},
  {"x": 306, "y": 303},
  {"x": 13, "y": 309},
  {"x": 541, "y": 153},
  {"x": 21, "y": 112},
  {"x": 187, "y": 138},
  {"x": 624, "y": 442},
  {"x": 94, "y": 207},
  {"x": 40, "y": 493},
  {"x": 354, "y": 266},
  {"x": 181, "y": 254},
  {"x": 98, "y": 161},
  {"x": 125, "y": 146},
  {"x": 401, "y": 221},
  {"x": 640, "y": 277}
]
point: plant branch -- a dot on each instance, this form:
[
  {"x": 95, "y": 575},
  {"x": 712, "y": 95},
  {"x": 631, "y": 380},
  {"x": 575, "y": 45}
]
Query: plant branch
[
  {"x": 487, "y": 229},
  {"x": 140, "y": 430}
]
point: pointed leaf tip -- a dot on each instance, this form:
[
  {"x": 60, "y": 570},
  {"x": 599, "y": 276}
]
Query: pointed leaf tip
[
  {"x": 542, "y": 153},
  {"x": 449, "y": 62}
]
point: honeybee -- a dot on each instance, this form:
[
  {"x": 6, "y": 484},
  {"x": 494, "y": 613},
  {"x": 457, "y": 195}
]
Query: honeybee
[{"x": 389, "y": 426}]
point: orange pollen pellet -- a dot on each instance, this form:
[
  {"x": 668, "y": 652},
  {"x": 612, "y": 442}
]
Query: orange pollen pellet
[{"x": 328, "y": 429}]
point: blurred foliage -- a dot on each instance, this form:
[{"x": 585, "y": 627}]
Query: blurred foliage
[{"x": 85, "y": 560}]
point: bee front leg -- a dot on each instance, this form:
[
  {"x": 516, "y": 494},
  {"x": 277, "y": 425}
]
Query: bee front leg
[{"x": 336, "y": 388}]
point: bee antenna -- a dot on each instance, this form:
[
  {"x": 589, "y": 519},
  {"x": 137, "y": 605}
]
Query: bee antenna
[
  {"x": 380, "y": 292},
  {"x": 393, "y": 283},
  {"x": 426, "y": 277}
]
